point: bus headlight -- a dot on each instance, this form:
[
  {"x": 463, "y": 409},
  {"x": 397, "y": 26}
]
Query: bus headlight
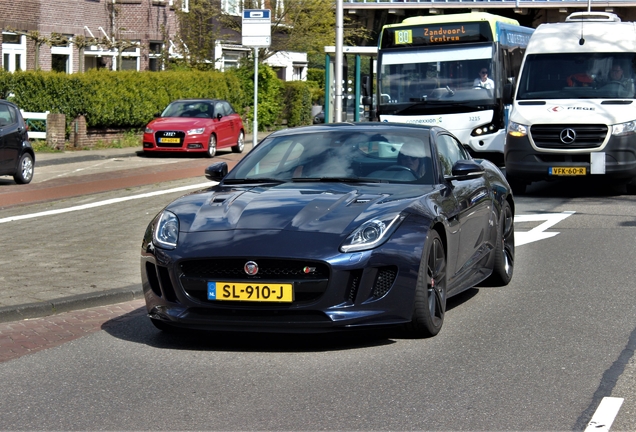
[
  {"x": 624, "y": 128},
  {"x": 483, "y": 130},
  {"x": 517, "y": 129}
]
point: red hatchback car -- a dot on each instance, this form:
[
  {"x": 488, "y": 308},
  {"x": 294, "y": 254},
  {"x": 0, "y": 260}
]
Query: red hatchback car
[{"x": 197, "y": 126}]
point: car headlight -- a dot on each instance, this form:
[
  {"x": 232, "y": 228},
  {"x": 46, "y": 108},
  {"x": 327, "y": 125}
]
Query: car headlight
[
  {"x": 148, "y": 130},
  {"x": 196, "y": 131},
  {"x": 624, "y": 128},
  {"x": 372, "y": 233},
  {"x": 517, "y": 129},
  {"x": 166, "y": 231}
]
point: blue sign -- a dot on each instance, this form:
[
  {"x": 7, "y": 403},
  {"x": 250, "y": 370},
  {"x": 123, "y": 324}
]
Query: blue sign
[{"x": 256, "y": 14}]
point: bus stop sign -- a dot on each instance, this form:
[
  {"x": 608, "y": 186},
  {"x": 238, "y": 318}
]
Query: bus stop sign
[{"x": 257, "y": 28}]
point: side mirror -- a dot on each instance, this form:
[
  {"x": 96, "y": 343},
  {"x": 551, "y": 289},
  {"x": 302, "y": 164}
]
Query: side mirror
[
  {"x": 466, "y": 170},
  {"x": 367, "y": 89},
  {"x": 507, "y": 93},
  {"x": 219, "y": 116},
  {"x": 367, "y": 100},
  {"x": 155, "y": 115},
  {"x": 216, "y": 171}
]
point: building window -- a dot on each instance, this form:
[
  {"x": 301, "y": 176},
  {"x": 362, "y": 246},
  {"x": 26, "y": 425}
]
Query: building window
[
  {"x": 130, "y": 58},
  {"x": 297, "y": 73},
  {"x": 154, "y": 56},
  {"x": 59, "y": 63},
  {"x": 231, "y": 7},
  {"x": 13, "y": 52},
  {"x": 62, "y": 56}
]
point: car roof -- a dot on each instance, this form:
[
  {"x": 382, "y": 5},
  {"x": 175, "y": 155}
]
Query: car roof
[{"x": 199, "y": 100}]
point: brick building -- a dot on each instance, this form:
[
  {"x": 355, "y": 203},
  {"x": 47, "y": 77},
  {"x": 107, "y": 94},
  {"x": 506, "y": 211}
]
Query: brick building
[
  {"x": 150, "y": 24},
  {"x": 146, "y": 22}
]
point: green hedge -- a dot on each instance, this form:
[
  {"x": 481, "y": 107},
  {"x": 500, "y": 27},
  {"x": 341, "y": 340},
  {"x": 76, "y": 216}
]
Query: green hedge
[{"x": 129, "y": 99}]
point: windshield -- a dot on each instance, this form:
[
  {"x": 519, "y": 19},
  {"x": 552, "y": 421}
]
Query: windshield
[
  {"x": 339, "y": 155},
  {"x": 458, "y": 74},
  {"x": 588, "y": 76},
  {"x": 201, "y": 109}
]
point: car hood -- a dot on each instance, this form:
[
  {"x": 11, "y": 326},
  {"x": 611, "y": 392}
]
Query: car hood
[
  {"x": 324, "y": 207},
  {"x": 168, "y": 123}
]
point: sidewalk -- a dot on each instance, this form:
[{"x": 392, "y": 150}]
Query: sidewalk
[
  {"x": 57, "y": 158},
  {"x": 24, "y": 306}
]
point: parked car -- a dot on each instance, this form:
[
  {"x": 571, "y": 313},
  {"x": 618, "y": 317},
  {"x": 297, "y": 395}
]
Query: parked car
[
  {"x": 195, "y": 126},
  {"x": 331, "y": 227},
  {"x": 17, "y": 157}
]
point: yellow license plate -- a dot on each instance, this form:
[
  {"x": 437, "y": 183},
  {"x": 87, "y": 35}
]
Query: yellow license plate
[
  {"x": 169, "y": 140},
  {"x": 568, "y": 171},
  {"x": 251, "y": 292}
]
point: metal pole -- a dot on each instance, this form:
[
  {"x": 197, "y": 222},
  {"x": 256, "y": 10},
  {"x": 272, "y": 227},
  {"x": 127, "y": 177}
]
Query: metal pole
[
  {"x": 327, "y": 89},
  {"x": 338, "y": 75},
  {"x": 255, "y": 130}
]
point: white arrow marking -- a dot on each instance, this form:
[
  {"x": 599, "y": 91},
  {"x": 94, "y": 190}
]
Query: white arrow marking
[{"x": 537, "y": 233}]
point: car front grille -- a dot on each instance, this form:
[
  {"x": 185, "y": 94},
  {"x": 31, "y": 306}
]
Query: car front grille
[
  {"x": 169, "y": 135},
  {"x": 310, "y": 278},
  {"x": 548, "y": 136}
]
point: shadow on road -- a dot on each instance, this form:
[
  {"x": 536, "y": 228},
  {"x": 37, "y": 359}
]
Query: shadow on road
[{"x": 136, "y": 327}]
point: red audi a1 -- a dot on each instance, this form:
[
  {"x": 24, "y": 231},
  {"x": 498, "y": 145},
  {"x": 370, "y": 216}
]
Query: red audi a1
[{"x": 196, "y": 126}]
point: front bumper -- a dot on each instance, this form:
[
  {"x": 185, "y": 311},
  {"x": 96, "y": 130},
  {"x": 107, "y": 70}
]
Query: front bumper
[
  {"x": 352, "y": 290},
  {"x": 523, "y": 161}
]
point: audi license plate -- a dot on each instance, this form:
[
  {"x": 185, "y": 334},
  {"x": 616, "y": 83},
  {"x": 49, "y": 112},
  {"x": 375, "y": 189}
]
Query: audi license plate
[
  {"x": 169, "y": 140},
  {"x": 567, "y": 171},
  {"x": 251, "y": 292}
]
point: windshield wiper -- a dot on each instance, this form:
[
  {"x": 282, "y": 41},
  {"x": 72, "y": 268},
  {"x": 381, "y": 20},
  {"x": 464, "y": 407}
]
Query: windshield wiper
[
  {"x": 254, "y": 180},
  {"x": 335, "y": 179}
]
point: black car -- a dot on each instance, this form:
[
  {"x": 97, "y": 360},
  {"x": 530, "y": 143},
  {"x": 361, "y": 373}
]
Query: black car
[
  {"x": 331, "y": 227},
  {"x": 17, "y": 157}
]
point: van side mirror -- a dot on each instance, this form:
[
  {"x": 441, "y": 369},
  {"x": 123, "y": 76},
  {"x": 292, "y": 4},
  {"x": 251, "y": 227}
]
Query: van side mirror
[{"x": 507, "y": 93}]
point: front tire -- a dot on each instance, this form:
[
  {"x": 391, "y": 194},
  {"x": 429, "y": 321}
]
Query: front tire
[
  {"x": 430, "y": 290},
  {"x": 24, "y": 174},
  {"x": 211, "y": 146},
  {"x": 505, "y": 249},
  {"x": 240, "y": 144}
]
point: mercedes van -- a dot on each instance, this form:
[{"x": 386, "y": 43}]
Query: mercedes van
[{"x": 574, "y": 112}]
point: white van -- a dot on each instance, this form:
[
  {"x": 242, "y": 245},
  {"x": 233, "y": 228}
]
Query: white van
[{"x": 574, "y": 112}]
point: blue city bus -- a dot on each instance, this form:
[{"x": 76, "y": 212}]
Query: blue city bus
[{"x": 428, "y": 70}]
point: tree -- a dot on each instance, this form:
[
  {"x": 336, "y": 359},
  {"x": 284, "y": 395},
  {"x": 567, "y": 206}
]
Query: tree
[
  {"x": 297, "y": 25},
  {"x": 199, "y": 29},
  {"x": 37, "y": 38}
]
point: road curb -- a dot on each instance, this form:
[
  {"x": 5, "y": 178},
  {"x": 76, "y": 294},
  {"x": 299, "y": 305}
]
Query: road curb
[{"x": 68, "y": 304}]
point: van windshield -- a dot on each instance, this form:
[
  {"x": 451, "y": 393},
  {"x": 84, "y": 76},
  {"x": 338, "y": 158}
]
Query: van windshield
[{"x": 577, "y": 76}]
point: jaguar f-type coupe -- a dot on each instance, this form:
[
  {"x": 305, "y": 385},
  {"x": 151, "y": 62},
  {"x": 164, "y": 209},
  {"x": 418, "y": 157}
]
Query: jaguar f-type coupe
[{"x": 331, "y": 227}]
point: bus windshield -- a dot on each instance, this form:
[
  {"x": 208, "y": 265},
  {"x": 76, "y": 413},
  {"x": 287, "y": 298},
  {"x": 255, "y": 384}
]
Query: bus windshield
[
  {"x": 438, "y": 75},
  {"x": 588, "y": 76}
]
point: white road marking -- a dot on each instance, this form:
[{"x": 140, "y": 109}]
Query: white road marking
[
  {"x": 105, "y": 202},
  {"x": 537, "y": 233},
  {"x": 605, "y": 414}
]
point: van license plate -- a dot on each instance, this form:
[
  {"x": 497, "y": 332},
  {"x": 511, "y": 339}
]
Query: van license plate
[{"x": 567, "y": 171}]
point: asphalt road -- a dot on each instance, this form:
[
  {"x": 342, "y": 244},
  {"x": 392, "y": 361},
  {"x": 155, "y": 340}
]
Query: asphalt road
[{"x": 539, "y": 354}]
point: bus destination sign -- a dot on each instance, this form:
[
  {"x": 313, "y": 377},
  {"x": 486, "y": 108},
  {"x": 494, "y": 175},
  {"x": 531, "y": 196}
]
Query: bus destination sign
[{"x": 439, "y": 34}]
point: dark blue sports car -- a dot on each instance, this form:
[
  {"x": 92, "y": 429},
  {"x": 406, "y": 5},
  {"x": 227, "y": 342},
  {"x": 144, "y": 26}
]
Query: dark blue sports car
[{"x": 331, "y": 227}]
